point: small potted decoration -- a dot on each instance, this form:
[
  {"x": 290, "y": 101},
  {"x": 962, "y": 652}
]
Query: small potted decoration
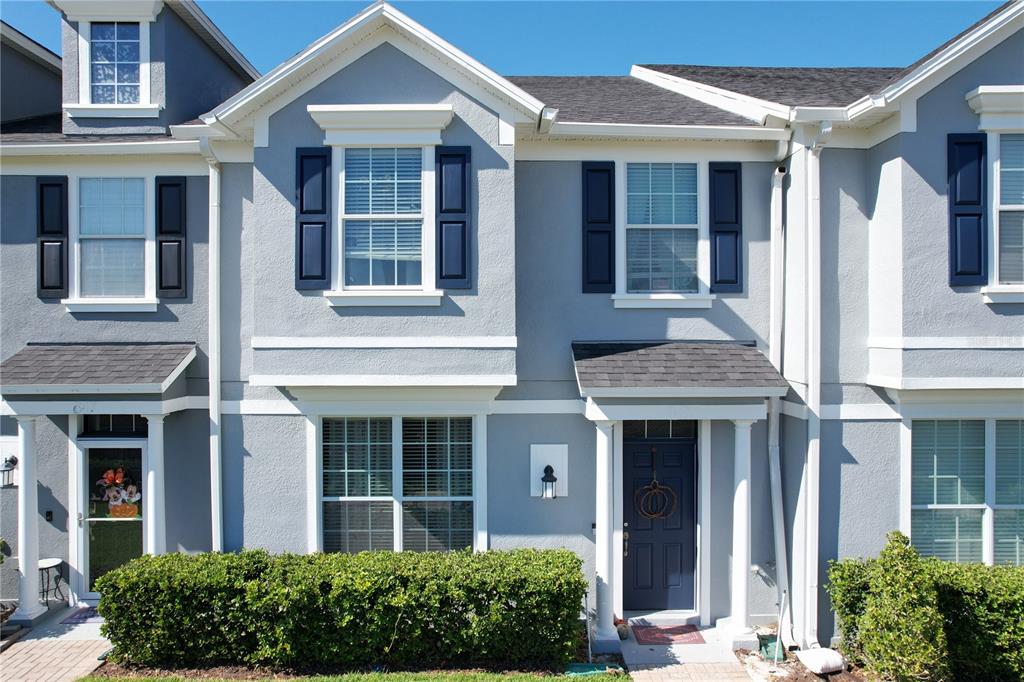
[{"x": 120, "y": 493}]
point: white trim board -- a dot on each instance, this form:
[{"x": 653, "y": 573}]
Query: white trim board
[
  {"x": 944, "y": 383},
  {"x": 43, "y": 407},
  {"x": 382, "y": 380},
  {"x": 305, "y": 342},
  {"x": 945, "y": 342}
]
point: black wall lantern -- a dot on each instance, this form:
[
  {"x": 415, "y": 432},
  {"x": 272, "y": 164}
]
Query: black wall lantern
[
  {"x": 7, "y": 470},
  {"x": 548, "y": 481}
]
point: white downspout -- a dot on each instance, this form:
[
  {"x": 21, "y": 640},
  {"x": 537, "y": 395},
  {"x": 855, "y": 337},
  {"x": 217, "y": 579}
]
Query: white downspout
[
  {"x": 813, "y": 222},
  {"x": 776, "y": 312},
  {"x": 214, "y": 351}
]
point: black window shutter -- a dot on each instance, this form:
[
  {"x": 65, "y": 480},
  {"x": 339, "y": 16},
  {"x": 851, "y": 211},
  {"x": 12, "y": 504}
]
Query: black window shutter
[
  {"x": 968, "y": 238},
  {"x": 313, "y": 218},
  {"x": 171, "y": 238},
  {"x": 726, "y": 189},
  {"x": 454, "y": 201},
  {"x": 598, "y": 227},
  {"x": 52, "y": 236}
]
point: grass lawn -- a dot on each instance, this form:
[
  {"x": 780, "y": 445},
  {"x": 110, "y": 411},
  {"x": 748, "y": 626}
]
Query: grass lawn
[{"x": 389, "y": 677}]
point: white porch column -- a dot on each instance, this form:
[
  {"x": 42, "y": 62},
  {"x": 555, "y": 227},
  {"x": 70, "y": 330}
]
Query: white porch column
[
  {"x": 29, "y": 606},
  {"x": 153, "y": 507},
  {"x": 603, "y": 540},
  {"x": 740, "y": 612}
]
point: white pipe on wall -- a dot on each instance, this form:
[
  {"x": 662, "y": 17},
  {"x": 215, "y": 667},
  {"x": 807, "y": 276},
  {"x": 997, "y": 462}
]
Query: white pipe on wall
[{"x": 214, "y": 352}]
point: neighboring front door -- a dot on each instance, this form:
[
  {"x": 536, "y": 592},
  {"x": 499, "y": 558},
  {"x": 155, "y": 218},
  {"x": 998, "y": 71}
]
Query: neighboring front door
[
  {"x": 113, "y": 508},
  {"x": 659, "y": 525}
]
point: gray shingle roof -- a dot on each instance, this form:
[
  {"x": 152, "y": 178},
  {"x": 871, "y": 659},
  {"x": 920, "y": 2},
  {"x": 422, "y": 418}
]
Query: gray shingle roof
[
  {"x": 85, "y": 364},
  {"x": 672, "y": 364},
  {"x": 622, "y": 99},
  {"x": 792, "y": 86}
]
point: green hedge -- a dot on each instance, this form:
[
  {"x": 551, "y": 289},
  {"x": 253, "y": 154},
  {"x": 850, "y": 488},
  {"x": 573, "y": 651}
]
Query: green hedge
[
  {"x": 396, "y": 610},
  {"x": 910, "y": 618}
]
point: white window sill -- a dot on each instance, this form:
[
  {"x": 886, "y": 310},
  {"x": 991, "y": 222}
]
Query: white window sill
[
  {"x": 1003, "y": 293},
  {"x": 111, "y": 305},
  {"x": 384, "y": 297},
  {"x": 112, "y": 110},
  {"x": 662, "y": 300}
]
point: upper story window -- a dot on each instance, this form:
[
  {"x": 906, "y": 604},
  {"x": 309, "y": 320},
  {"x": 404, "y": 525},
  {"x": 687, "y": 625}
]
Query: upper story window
[
  {"x": 1009, "y": 210},
  {"x": 662, "y": 230},
  {"x": 114, "y": 58},
  {"x": 382, "y": 219},
  {"x": 112, "y": 237}
]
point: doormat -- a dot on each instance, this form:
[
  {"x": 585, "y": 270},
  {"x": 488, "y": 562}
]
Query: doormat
[
  {"x": 82, "y": 616},
  {"x": 676, "y": 634}
]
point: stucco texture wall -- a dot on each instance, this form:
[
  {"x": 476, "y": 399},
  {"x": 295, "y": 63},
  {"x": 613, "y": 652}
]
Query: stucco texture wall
[
  {"x": 385, "y": 75},
  {"x": 930, "y": 306},
  {"x": 29, "y": 89}
]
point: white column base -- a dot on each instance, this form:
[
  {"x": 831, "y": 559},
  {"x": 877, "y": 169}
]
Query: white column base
[
  {"x": 27, "y": 617},
  {"x": 740, "y": 636}
]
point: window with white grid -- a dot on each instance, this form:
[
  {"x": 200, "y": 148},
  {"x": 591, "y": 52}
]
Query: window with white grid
[
  {"x": 111, "y": 237},
  {"x": 662, "y": 231},
  {"x": 396, "y": 483},
  {"x": 114, "y": 62},
  {"x": 382, "y": 217},
  {"x": 963, "y": 472},
  {"x": 1009, "y": 214}
]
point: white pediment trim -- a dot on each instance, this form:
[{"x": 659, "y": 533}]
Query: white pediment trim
[
  {"x": 1001, "y": 107},
  {"x": 110, "y": 10},
  {"x": 384, "y": 124},
  {"x": 250, "y": 108}
]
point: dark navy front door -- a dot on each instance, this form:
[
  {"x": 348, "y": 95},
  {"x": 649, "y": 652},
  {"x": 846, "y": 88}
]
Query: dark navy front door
[{"x": 659, "y": 554}]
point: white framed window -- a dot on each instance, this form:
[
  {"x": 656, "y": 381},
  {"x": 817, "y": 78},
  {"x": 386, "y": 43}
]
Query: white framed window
[
  {"x": 397, "y": 483},
  {"x": 112, "y": 244},
  {"x": 1008, "y": 209},
  {"x": 382, "y": 221},
  {"x": 114, "y": 69},
  {"x": 967, "y": 489},
  {"x": 662, "y": 243}
]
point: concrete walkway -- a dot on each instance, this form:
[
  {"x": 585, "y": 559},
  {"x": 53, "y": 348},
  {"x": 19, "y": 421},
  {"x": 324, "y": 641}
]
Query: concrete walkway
[
  {"x": 53, "y": 652},
  {"x": 712, "y": 661}
]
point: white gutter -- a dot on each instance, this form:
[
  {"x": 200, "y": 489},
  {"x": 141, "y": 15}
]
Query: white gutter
[
  {"x": 776, "y": 311},
  {"x": 214, "y": 351},
  {"x": 813, "y": 467}
]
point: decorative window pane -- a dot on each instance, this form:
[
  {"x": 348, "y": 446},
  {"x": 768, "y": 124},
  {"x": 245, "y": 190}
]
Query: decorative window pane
[
  {"x": 437, "y": 457},
  {"x": 383, "y": 181},
  {"x": 1011, "y": 169},
  {"x": 114, "y": 62},
  {"x": 661, "y": 193},
  {"x": 661, "y": 260},
  {"x": 357, "y": 457},
  {"x": 1009, "y": 536},
  {"x": 358, "y": 526},
  {"x": 1010, "y": 461},
  {"x": 437, "y": 526},
  {"x": 1011, "y": 247},
  {"x": 948, "y": 462},
  {"x": 383, "y": 252},
  {"x": 112, "y": 267},
  {"x": 949, "y": 534}
]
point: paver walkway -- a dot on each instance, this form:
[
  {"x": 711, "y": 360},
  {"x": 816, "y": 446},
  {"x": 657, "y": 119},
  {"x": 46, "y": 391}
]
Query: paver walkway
[
  {"x": 712, "y": 661},
  {"x": 53, "y": 652}
]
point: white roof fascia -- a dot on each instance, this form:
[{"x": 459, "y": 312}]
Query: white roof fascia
[
  {"x": 194, "y": 131},
  {"x": 104, "y": 148},
  {"x": 196, "y": 13},
  {"x": 727, "y": 100},
  {"x": 22, "y": 43},
  {"x": 943, "y": 64},
  {"x": 291, "y": 74},
  {"x": 672, "y": 132}
]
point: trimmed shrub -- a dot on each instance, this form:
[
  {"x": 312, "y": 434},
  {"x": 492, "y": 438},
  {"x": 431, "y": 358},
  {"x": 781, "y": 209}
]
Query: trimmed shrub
[
  {"x": 398, "y": 610},
  {"x": 906, "y": 618}
]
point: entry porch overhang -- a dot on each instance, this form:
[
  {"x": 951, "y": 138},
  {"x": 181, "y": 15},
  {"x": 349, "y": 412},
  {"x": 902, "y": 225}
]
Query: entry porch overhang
[{"x": 659, "y": 380}]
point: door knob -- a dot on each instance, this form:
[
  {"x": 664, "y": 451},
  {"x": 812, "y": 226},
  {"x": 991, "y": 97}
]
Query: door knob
[{"x": 625, "y": 543}]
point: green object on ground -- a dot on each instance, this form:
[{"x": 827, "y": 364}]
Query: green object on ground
[
  {"x": 591, "y": 669},
  {"x": 771, "y": 648}
]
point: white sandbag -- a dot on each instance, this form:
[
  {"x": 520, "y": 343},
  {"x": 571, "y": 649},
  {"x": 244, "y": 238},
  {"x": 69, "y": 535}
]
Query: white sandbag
[{"x": 821, "y": 661}]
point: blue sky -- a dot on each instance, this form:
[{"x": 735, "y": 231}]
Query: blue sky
[{"x": 576, "y": 38}]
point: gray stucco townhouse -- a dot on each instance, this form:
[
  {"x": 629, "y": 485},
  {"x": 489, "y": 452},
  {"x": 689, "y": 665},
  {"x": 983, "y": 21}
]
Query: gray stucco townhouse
[{"x": 751, "y": 318}]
